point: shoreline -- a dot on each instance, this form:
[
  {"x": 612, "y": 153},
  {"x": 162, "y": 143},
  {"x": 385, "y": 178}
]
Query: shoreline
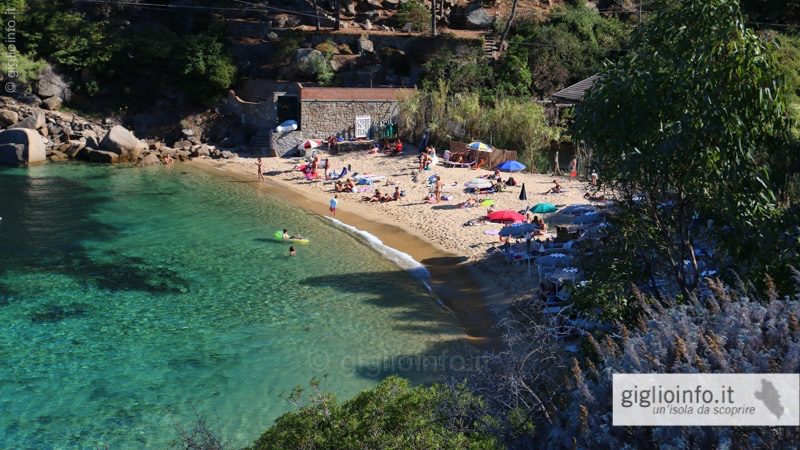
[
  {"x": 467, "y": 275},
  {"x": 464, "y": 291}
]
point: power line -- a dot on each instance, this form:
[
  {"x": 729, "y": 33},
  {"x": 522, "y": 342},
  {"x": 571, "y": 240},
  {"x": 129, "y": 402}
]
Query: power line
[{"x": 156, "y": 6}]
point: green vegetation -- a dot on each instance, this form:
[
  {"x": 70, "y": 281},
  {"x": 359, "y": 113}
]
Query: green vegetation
[
  {"x": 392, "y": 415},
  {"x": 138, "y": 64},
  {"x": 416, "y": 14},
  {"x": 679, "y": 142},
  {"x": 508, "y": 123},
  {"x": 26, "y": 68}
]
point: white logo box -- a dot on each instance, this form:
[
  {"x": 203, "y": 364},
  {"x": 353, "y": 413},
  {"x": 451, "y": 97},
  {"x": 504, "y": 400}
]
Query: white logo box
[{"x": 706, "y": 399}]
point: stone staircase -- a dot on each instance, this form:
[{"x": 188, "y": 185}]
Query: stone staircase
[
  {"x": 261, "y": 140},
  {"x": 489, "y": 47}
]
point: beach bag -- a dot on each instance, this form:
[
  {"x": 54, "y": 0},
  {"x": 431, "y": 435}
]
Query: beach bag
[{"x": 402, "y": 193}]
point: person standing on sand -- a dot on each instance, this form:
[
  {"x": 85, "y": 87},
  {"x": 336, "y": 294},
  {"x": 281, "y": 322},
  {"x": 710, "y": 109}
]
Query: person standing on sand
[
  {"x": 594, "y": 177},
  {"x": 573, "y": 169},
  {"x": 260, "y": 170},
  {"x": 556, "y": 168},
  {"x": 438, "y": 191},
  {"x": 334, "y": 202}
]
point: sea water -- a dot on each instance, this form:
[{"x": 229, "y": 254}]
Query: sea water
[{"x": 132, "y": 297}]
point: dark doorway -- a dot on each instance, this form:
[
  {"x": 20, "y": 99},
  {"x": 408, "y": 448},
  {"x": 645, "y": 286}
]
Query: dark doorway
[{"x": 289, "y": 109}]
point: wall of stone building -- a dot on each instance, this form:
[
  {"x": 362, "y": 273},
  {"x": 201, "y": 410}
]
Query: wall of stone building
[
  {"x": 259, "y": 115},
  {"x": 321, "y": 118},
  {"x": 282, "y": 143}
]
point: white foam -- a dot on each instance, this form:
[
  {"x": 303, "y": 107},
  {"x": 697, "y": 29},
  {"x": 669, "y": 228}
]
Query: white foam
[{"x": 404, "y": 260}]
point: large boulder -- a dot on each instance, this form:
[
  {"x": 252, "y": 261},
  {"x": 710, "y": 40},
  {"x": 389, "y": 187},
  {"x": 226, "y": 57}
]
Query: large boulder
[
  {"x": 476, "y": 18},
  {"x": 32, "y": 122},
  {"x": 309, "y": 61},
  {"x": 122, "y": 142},
  {"x": 21, "y": 146},
  {"x": 50, "y": 84},
  {"x": 365, "y": 45},
  {"x": 101, "y": 156},
  {"x": 8, "y": 118},
  {"x": 52, "y": 103},
  {"x": 149, "y": 160}
]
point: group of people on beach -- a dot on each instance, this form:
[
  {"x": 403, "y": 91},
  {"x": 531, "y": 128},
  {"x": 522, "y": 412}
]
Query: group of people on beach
[{"x": 383, "y": 198}]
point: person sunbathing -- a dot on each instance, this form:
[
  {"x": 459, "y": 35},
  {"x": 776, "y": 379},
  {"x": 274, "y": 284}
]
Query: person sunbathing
[
  {"x": 557, "y": 189},
  {"x": 477, "y": 166},
  {"x": 373, "y": 150},
  {"x": 495, "y": 175},
  {"x": 339, "y": 186},
  {"x": 542, "y": 228},
  {"x": 470, "y": 203},
  {"x": 396, "y": 196},
  {"x": 594, "y": 198},
  {"x": 374, "y": 198}
]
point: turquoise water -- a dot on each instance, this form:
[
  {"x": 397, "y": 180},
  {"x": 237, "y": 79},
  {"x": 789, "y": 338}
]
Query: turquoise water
[{"x": 130, "y": 297}]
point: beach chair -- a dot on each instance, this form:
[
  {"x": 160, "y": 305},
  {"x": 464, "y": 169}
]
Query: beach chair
[{"x": 336, "y": 176}]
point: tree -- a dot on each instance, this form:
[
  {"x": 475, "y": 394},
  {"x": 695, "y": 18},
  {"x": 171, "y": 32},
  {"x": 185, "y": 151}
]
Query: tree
[
  {"x": 683, "y": 126},
  {"x": 392, "y": 415}
]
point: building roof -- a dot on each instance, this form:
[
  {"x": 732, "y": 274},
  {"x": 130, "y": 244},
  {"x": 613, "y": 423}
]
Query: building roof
[
  {"x": 363, "y": 94},
  {"x": 574, "y": 93}
]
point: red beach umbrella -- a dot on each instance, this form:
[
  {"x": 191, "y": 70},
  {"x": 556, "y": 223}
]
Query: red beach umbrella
[{"x": 506, "y": 215}]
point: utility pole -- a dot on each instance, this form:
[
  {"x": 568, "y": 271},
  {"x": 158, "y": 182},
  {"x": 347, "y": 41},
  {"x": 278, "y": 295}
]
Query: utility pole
[
  {"x": 433, "y": 18},
  {"x": 640, "y": 11},
  {"x": 338, "y": 7},
  {"x": 316, "y": 11}
]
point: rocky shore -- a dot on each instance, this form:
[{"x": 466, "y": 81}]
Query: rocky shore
[{"x": 31, "y": 135}]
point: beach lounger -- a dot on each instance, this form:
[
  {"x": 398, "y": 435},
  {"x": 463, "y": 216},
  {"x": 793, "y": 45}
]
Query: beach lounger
[{"x": 447, "y": 162}]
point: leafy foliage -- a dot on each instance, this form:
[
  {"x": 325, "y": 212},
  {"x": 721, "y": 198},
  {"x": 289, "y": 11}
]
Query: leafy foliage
[
  {"x": 465, "y": 73},
  {"x": 569, "y": 45},
  {"x": 392, "y": 415},
  {"x": 507, "y": 123},
  {"x": 684, "y": 126},
  {"x": 204, "y": 65},
  {"x": 26, "y": 67},
  {"x": 416, "y": 14}
]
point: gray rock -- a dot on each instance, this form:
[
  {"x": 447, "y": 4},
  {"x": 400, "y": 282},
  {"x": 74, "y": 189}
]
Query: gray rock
[
  {"x": 21, "y": 146},
  {"x": 372, "y": 4},
  {"x": 366, "y": 46},
  {"x": 476, "y": 18},
  {"x": 87, "y": 133},
  {"x": 350, "y": 8},
  {"x": 309, "y": 61},
  {"x": 272, "y": 36},
  {"x": 227, "y": 154},
  {"x": 391, "y": 4},
  {"x": 8, "y": 117},
  {"x": 32, "y": 122},
  {"x": 367, "y": 25},
  {"x": 92, "y": 142},
  {"x": 203, "y": 150},
  {"x": 43, "y": 131},
  {"x": 58, "y": 156},
  {"x": 101, "y": 156},
  {"x": 53, "y": 103},
  {"x": 119, "y": 140},
  {"x": 182, "y": 144},
  {"x": 373, "y": 16},
  {"x": 149, "y": 160},
  {"x": 186, "y": 132},
  {"x": 50, "y": 84},
  {"x": 75, "y": 147}
]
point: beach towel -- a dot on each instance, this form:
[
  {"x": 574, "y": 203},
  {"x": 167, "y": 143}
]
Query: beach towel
[
  {"x": 560, "y": 192},
  {"x": 492, "y": 232},
  {"x": 487, "y": 202},
  {"x": 364, "y": 189}
]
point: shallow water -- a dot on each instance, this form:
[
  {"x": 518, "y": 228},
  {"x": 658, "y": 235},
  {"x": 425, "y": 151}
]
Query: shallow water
[{"x": 130, "y": 297}]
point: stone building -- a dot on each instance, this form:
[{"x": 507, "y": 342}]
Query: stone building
[{"x": 349, "y": 113}]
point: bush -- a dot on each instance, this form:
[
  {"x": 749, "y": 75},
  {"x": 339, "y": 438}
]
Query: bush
[
  {"x": 415, "y": 13},
  {"x": 392, "y": 415},
  {"x": 26, "y": 67}
]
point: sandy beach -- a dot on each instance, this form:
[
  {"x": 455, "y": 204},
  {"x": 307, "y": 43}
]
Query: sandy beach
[{"x": 477, "y": 285}]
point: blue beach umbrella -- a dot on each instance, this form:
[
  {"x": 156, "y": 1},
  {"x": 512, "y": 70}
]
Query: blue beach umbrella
[
  {"x": 480, "y": 146},
  {"x": 520, "y": 229},
  {"x": 510, "y": 166}
]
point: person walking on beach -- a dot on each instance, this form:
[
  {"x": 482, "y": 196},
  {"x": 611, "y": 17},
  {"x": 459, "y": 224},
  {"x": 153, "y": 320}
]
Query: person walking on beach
[
  {"x": 334, "y": 202},
  {"x": 573, "y": 169},
  {"x": 260, "y": 170},
  {"x": 438, "y": 191}
]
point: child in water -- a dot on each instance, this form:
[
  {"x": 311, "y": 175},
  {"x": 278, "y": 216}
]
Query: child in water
[{"x": 291, "y": 251}]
